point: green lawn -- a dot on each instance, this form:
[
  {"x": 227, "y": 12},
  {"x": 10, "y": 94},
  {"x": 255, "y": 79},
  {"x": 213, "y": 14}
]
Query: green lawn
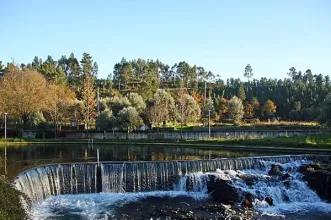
[{"x": 310, "y": 141}]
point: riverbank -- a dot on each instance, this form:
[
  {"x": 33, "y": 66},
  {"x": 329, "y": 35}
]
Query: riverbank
[
  {"x": 10, "y": 202},
  {"x": 308, "y": 141}
]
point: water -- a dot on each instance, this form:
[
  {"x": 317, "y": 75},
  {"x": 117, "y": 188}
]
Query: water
[
  {"x": 124, "y": 184},
  {"x": 68, "y": 191},
  {"x": 20, "y": 158}
]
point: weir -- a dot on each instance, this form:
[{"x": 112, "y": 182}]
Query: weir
[{"x": 41, "y": 182}]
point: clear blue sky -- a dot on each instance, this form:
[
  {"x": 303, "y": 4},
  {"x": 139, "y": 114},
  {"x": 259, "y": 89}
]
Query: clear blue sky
[{"x": 222, "y": 36}]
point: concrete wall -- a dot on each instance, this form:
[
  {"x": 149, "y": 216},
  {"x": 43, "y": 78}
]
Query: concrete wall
[{"x": 194, "y": 135}]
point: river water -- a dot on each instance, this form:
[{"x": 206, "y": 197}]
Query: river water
[
  {"x": 303, "y": 203},
  {"x": 23, "y": 157}
]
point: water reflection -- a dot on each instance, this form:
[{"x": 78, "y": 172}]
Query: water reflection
[{"x": 15, "y": 159}]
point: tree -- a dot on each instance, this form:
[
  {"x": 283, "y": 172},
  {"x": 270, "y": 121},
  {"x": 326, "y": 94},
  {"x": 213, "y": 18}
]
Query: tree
[
  {"x": 248, "y": 72},
  {"x": 129, "y": 119},
  {"x": 269, "y": 108},
  {"x": 256, "y": 105},
  {"x": 23, "y": 92},
  {"x": 89, "y": 102},
  {"x": 223, "y": 107},
  {"x": 189, "y": 108},
  {"x": 249, "y": 110},
  {"x": 297, "y": 106},
  {"x": 209, "y": 107},
  {"x": 163, "y": 107},
  {"x": 137, "y": 102},
  {"x": 241, "y": 93},
  {"x": 236, "y": 109},
  {"x": 117, "y": 104},
  {"x": 104, "y": 120},
  {"x": 326, "y": 110},
  {"x": 52, "y": 72},
  {"x": 59, "y": 102},
  {"x": 2, "y": 69}
]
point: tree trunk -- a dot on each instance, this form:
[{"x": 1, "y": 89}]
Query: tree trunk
[{"x": 25, "y": 119}]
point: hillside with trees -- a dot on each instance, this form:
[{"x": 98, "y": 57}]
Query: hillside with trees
[{"x": 47, "y": 95}]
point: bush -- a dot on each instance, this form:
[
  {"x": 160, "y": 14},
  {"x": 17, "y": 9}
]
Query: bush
[{"x": 10, "y": 202}]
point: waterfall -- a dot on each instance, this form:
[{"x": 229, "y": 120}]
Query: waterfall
[
  {"x": 42, "y": 182},
  {"x": 164, "y": 175}
]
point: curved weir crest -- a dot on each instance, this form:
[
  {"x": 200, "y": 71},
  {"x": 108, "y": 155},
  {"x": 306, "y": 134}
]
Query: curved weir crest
[{"x": 42, "y": 182}]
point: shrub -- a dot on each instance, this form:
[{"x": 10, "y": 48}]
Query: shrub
[{"x": 10, "y": 202}]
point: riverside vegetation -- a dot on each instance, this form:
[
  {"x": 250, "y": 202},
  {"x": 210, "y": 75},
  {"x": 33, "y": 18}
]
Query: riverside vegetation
[
  {"x": 64, "y": 93},
  {"x": 10, "y": 202}
]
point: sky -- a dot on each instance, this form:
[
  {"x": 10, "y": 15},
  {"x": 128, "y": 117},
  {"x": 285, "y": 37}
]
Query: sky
[{"x": 221, "y": 36}]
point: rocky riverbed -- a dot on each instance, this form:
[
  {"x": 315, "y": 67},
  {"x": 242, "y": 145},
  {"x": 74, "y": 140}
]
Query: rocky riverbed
[{"x": 240, "y": 195}]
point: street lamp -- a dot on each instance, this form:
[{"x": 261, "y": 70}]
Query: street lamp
[
  {"x": 5, "y": 125},
  {"x": 209, "y": 123}
]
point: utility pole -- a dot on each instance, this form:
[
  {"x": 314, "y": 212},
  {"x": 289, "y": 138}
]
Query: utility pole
[
  {"x": 5, "y": 125},
  {"x": 98, "y": 101},
  {"x": 208, "y": 123},
  {"x": 204, "y": 103},
  {"x": 181, "y": 121}
]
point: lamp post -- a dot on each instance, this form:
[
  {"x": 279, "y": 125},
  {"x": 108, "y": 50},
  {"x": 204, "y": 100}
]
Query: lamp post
[
  {"x": 209, "y": 123},
  {"x": 5, "y": 125}
]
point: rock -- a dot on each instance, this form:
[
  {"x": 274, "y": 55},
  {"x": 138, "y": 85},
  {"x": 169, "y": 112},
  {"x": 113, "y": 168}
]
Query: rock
[
  {"x": 286, "y": 198},
  {"x": 248, "y": 200},
  {"x": 275, "y": 170},
  {"x": 309, "y": 167},
  {"x": 249, "y": 179},
  {"x": 320, "y": 181},
  {"x": 223, "y": 190},
  {"x": 328, "y": 167},
  {"x": 287, "y": 184},
  {"x": 269, "y": 200},
  {"x": 285, "y": 176}
]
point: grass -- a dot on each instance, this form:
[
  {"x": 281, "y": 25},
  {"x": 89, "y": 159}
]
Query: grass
[{"x": 309, "y": 141}]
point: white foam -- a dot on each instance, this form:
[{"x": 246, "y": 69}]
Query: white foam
[{"x": 98, "y": 206}]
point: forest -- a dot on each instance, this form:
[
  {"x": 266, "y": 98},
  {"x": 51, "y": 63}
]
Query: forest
[{"x": 48, "y": 94}]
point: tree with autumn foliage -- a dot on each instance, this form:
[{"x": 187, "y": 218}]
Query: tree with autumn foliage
[
  {"x": 58, "y": 104},
  {"x": 249, "y": 110},
  {"x": 223, "y": 108},
  {"x": 88, "y": 101},
  {"x": 23, "y": 92},
  {"x": 269, "y": 108}
]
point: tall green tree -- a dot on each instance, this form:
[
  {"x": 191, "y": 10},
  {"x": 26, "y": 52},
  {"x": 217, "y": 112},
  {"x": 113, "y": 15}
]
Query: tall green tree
[
  {"x": 248, "y": 72},
  {"x": 241, "y": 94},
  {"x": 236, "y": 109},
  {"x": 89, "y": 102}
]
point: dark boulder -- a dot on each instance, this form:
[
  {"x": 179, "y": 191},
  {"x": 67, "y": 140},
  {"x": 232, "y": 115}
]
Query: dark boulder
[
  {"x": 275, "y": 170},
  {"x": 285, "y": 176},
  {"x": 223, "y": 190},
  {"x": 286, "y": 198},
  {"x": 249, "y": 179},
  {"x": 269, "y": 200},
  {"x": 320, "y": 181},
  {"x": 248, "y": 200},
  {"x": 287, "y": 184},
  {"x": 309, "y": 167}
]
